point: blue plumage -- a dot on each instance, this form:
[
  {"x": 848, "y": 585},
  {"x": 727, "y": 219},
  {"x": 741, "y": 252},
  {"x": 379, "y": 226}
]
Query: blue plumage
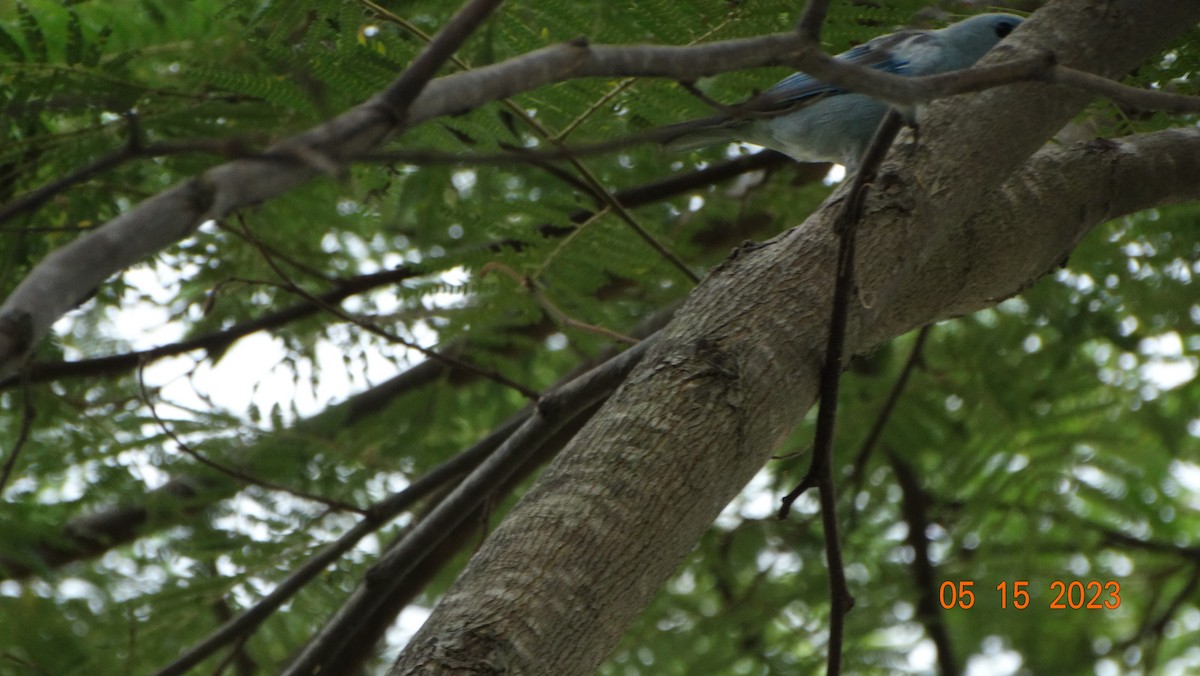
[{"x": 828, "y": 124}]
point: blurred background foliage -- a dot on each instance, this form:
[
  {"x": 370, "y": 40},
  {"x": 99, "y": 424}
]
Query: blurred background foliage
[{"x": 1053, "y": 437}]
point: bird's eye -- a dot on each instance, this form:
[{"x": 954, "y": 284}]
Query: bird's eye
[{"x": 1004, "y": 28}]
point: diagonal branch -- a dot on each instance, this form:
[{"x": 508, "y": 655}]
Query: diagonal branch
[
  {"x": 812, "y": 19},
  {"x": 234, "y": 472},
  {"x": 132, "y": 150},
  {"x": 820, "y": 473},
  {"x": 626, "y": 502},
  {"x": 378, "y": 516},
  {"x": 28, "y": 413},
  {"x": 67, "y": 276},
  {"x": 552, "y": 412},
  {"x": 216, "y": 342},
  {"x": 401, "y": 92},
  {"x": 914, "y": 504}
]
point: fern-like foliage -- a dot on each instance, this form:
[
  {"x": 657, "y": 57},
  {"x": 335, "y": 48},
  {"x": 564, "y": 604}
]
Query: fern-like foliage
[{"x": 1039, "y": 428}]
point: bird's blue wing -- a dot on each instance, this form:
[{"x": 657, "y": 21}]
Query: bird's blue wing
[{"x": 880, "y": 54}]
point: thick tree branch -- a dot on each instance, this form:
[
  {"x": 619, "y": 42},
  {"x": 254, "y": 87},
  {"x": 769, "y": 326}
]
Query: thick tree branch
[
  {"x": 218, "y": 341},
  {"x": 813, "y": 19},
  {"x": 705, "y": 411},
  {"x": 613, "y": 515},
  {"x": 245, "y": 623},
  {"x": 90, "y": 535},
  {"x": 363, "y": 643},
  {"x": 67, "y": 276},
  {"x": 553, "y": 412}
]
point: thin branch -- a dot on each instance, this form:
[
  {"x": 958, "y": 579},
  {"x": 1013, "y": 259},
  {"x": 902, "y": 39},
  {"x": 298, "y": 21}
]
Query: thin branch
[
  {"x": 401, "y": 92},
  {"x": 237, "y": 657},
  {"x": 1130, "y": 97},
  {"x": 831, "y": 370},
  {"x": 489, "y": 374},
  {"x": 92, "y": 534},
  {"x": 914, "y": 502},
  {"x": 553, "y": 411},
  {"x": 602, "y": 102},
  {"x": 608, "y": 198},
  {"x": 885, "y": 413},
  {"x": 543, "y": 300},
  {"x": 812, "y": 20},
  {"x": 216, "y": 342},
  {"x": 534, "y": 289},
  {"x": 378, "y": 515},
  {"x": 1158, "y": 625},
  {"x": 722, "y": 108},
  {"x": 820, "y": 473},
  {"x": 133, "y": 149},
  {"x": 230, "y": 471},
  {"x": 28, "y": 413},
  {"x": 591, "y": 184},
  {"x": 1109, "y": 536},
  {"x": 252, "y": 238}
]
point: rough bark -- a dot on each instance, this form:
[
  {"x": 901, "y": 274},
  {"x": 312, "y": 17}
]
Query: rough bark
[{"x": 971, "y": 215}]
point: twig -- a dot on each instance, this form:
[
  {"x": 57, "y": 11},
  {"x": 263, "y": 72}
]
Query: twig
[
  {"x": 606, "y": 198},
  {"x": 885, "y": 413},
  {"x": 624, "y": 215},
  {"x": 361, "y": 322},
  {"x": 914, "y": 502},
  {"x": 401, "y": 92},
  {"x": 831, "y": 370},
  {"x": 602, "y": 102},
  {"x": 215, "y": 342},
  {"x": 1158, "y": 625},
  {"x": 1131, "y": 97},
  {"x": 247, "y": 235},
  {"x": 722, "y": 108},
  {"x": 230, "y": 471},
  {"x": 820, "y": 472},
  {"x": 133, "y": 149},
  {"x": 378, "y": 515},
  {"x": 532, "y": 287},
  {"x": 28, "y": 413}
]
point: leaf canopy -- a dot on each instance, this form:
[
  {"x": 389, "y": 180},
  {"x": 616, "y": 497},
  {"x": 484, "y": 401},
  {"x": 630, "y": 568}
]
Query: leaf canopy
[{"x": 1053, "y": 437}]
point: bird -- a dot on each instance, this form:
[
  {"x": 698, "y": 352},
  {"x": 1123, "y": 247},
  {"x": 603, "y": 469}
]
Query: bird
[{"x": 830, "y": 124}]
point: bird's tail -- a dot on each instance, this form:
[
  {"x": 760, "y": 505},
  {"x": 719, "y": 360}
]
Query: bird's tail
[{"x": 697, "y": 134}]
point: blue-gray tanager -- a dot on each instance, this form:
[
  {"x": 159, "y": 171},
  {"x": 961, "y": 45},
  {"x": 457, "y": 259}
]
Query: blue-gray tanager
[{"x": 828, "y": 124}]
